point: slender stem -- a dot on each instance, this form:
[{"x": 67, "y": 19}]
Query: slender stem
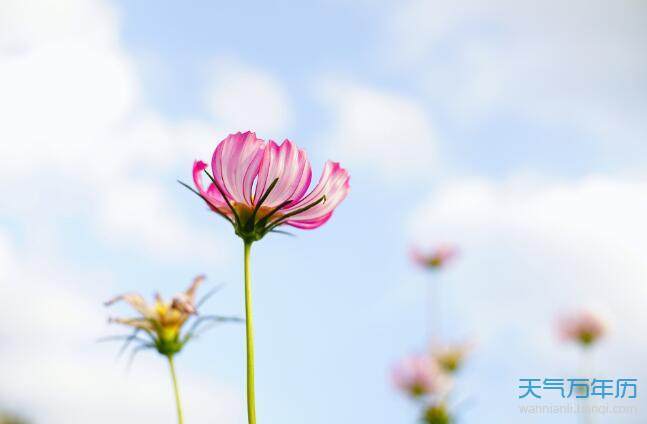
[
  {"x": 585, "y": 370},
  {"x": 176, "y": 389},
  {"x": 433, "y": 310},
  {"x": 251, "y": 398},
  {"x": 438, "y": 307},
  {"x": 429, "y": 311}
]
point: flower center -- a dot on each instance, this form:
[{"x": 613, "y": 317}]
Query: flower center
[{"x": 253, "y": 222}]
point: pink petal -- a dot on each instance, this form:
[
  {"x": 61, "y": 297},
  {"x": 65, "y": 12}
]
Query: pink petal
[
  {"x": 235, "y": 163},
  {"x": 216, "y": 201},
  {"x": 290, "y": 165},
  {"x": 334, "y": 184},
  {"x": 419, "y": 372},
  {"x": 198, "y": 168},
  {"x": 311, "y": 224}
]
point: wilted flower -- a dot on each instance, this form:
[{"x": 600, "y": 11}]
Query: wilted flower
[
  {"x": 162, "y": 322},
  {"x": 437, "y": 413},
  {"x": 434, "y": 259},
  {"x": 583, "y": 327},
  {"x": 450, "y": 357},
  {"x": 420, "y": 375},
  {"x": 258, "y": 186}
]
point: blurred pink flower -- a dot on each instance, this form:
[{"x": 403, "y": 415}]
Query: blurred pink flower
[
  {"x": 258, "y": 185},
  {"x": 434, "y": 259},
  {"x": 420, "y": 375},
  {"x": 583, "y": 327}
]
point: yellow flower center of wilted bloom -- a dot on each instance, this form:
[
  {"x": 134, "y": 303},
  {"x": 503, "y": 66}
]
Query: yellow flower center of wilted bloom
[
  {"x": 169, "y": 321},
  {"x": 162, "y": 321}
]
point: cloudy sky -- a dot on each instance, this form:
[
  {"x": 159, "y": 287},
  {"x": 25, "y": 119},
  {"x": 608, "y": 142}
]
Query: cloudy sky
[{"x": 514, "y": 129}]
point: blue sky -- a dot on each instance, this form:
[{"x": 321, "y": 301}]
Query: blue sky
[{"x": 514, "y": 130}]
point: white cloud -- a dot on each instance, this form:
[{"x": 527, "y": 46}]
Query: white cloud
[
  {"x": 531, "y": 250},
  {"x": 65, "y": 82},
  {"x": 385, "y": 132},
  {"x": 78, "y": 142},
  {"x": 75, "y": 125},
  {"x": 80, "y": 387},
  {"x": 142, "y": 215},
  {"x": 577, "y": 64},
  {"x": 592, "y": 207},
  {"x": 59, "y": 101},
  {"x": 241, "y": 97},
  {"x": 53, "y": 371},
  {"x": 26, "y": 25},
  {"x": 544, "y": 247}
]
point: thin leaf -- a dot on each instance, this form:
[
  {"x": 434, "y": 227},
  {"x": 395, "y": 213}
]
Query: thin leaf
[
  {"x": 212, "y": 319},
  {"x": 298, "y": 211},
  {"x": 208, "y": 295},
  {"x": 285, "y": 233},
  {"x": 214, "y": 208},
  {"x": 134, "y": 353},
  {"x": 222, "y": 193},
  {"x": 263, "y": 198},
  {"x": 129, "y": 340}
]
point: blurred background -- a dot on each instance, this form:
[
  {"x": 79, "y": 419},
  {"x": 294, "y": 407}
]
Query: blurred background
[{"x": 513, "y": 129}]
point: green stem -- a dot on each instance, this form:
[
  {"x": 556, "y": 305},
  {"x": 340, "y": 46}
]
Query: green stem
[
  {"x": 176, "y": 389},
  {"x": 585, "y": 371},
  {"x": 251, "y": 398}
]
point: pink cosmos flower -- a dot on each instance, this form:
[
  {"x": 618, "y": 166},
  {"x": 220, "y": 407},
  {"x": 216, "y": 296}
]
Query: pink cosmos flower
[
  {"x": 419, "y": 375},
  {"x": 258, "y": 186},
  {"x": 434, "y": 259},
  {"x": 583, "y": 327}
]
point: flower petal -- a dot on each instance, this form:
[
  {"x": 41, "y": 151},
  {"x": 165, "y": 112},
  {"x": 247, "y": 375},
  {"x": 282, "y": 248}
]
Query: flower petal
[
  {"x": 235, "y": 164},
  {"x": 334, "y": 184},
  {"x": 133, "y": 299},
  {"x": 215, "y": 199},
  {"x": 143, "y": 324},
  {"x": 190, "y": 292},
  {"x": 183, "y": 304},
  {"x": 198, "y": 169},
  {"x": 290, "y": 165}
]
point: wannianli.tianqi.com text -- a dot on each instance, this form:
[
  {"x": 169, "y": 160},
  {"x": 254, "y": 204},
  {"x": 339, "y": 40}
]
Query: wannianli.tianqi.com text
[{"x": 576, "y": 409}]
